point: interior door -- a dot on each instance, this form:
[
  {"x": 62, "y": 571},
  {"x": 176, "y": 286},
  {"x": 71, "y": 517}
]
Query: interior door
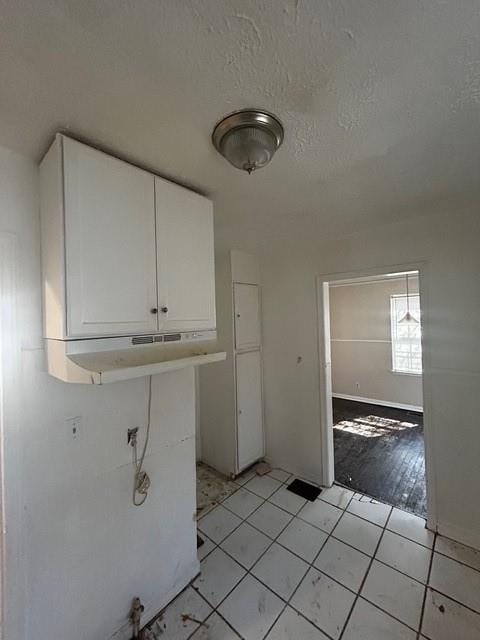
[
  {"x": 247, "y": 316},
  {"x": 250, "y": 440},
  {"x": 185, "y": 258},
  {"x": 110, "y": 244}
]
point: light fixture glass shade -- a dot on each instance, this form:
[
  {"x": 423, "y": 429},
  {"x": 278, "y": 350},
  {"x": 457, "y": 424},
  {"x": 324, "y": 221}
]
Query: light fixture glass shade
[
  {"x": 248, "y": 148},
  {"x": 248, "y": 139},
  {"x": 408, "y": 319}
]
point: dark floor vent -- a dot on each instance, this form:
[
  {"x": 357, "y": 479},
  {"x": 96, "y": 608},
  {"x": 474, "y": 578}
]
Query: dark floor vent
[{"x": 304, "y": 490}]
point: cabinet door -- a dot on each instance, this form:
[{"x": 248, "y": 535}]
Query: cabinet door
[
  {"x": 110, "y": 244},
  {"x": 185, "y": 258},
  {"x": 247, "y": 316},
  {"x": 249, "y": 408}
]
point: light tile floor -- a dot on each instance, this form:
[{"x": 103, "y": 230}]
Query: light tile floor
[{"x": 344, "y": 567}]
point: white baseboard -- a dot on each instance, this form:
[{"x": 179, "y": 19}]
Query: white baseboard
[
  {"x": 469, "y": 538},
  {"x": 383, "y": 403},
  {"x": 295, "y": 471}
]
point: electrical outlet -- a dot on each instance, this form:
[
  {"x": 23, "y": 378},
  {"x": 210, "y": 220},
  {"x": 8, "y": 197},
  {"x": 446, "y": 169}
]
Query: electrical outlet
[{"x": 74, "y": 426}]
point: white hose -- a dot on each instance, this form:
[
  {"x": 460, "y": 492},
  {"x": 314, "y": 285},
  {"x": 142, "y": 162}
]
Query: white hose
[{"x": 141, "y": 479}]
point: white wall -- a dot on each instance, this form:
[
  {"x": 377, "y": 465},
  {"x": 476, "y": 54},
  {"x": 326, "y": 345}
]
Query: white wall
[
  {"x": 78, "y": 549},
  {"x": 449, "y": 244},
  {"x": 361, "y": 343}
]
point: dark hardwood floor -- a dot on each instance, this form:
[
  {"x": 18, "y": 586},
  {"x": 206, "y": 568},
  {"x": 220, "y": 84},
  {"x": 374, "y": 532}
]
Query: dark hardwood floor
[{"x": 379, "y": 451}]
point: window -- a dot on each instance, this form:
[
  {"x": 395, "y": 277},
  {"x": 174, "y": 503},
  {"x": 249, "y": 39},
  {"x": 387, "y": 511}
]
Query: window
[{"x": 406, "y": 336}]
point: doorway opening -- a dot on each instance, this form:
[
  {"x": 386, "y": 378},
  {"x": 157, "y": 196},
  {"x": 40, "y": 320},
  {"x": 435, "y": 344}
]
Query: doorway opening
[{"x": 372, "y": 385}]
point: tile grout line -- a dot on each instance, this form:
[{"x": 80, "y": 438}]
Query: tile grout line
[
  {"x": 300, "y": 613},
  {"x": 248, "y": 571},
  {"x": 356, "y": 594},
  {"x": 372, "y": 559},
  {"x": 374, "y": 523},
  {"x": 344, "y": 509},
  {"x": 210, "y": 615},
  {"x": 243, "y": 519},
  {"x": 426, "y": 588},
  {"x": 296, "y": 515},
  {"x": 350, "y": 613},
  {"x": 309, "y": 568},
  {"x": 380, "y": 500},
  {"x": 218, "y": 546},
  {"x": 440, "y": 553},
  {"x": 462, "y": 604},
  {"x": 289, "y": 600},
  {"x": 332, "y": 535},
  {"x": 311, "y": 564},
  {"x": 236, "y": 489}
]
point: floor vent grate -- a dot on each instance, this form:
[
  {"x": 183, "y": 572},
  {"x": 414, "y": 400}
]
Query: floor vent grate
[{"x": 304, "y": 490}]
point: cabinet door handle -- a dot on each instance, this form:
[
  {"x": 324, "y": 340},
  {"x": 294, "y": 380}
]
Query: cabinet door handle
[
  {"x": 154, "y": 310},
  {"x": 164, "y": 309}
]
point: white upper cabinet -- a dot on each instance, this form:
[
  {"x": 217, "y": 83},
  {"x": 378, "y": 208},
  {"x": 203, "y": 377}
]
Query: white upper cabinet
[
  {"x": 185, "y": 258},
  {"x": 110, "y": 244},
  {"x": 112, "y": 260}
]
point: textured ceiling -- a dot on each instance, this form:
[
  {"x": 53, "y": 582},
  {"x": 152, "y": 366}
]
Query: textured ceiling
[{"x": 380, "y": 100}]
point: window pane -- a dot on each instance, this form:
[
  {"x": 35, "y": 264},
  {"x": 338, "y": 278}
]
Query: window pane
[{"x": 406, "y": 337}]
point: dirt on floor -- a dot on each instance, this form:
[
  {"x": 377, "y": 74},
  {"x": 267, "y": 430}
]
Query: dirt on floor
[{"x": 212, "y": 488}]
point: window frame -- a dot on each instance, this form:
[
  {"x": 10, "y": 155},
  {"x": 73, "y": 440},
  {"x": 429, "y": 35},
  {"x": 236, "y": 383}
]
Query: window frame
[{"x": 395, "y": 340}]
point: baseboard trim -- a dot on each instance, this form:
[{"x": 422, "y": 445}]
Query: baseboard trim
[
  {"x": 315, "y": 479},
  {"x": 468, "y": 538},
  {"x": 383, "y": 403}
]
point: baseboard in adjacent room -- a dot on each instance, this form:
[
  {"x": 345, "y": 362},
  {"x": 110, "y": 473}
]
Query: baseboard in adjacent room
[{"x": 382, "y": 403}]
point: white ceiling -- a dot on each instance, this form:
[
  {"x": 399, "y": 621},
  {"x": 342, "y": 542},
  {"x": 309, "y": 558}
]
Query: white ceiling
[{"x": 380, "y": 100}]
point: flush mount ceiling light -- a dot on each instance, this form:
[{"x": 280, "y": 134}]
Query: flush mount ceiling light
[{"x": 248, "y": 138}]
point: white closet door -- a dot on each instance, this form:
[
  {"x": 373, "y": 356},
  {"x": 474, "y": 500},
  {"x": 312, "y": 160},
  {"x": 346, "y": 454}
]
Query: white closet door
[
  {"x": 110, "y": 244},
  {"x": 247, "y": 316},
  {"x": 185, "y": 258},
  {"x": 249, "y": 408}
]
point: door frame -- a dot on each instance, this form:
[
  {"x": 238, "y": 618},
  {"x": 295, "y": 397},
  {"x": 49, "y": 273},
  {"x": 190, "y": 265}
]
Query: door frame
[
  {"x": 12, "y": 579},
  {"x": 325, "y": 372}
]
